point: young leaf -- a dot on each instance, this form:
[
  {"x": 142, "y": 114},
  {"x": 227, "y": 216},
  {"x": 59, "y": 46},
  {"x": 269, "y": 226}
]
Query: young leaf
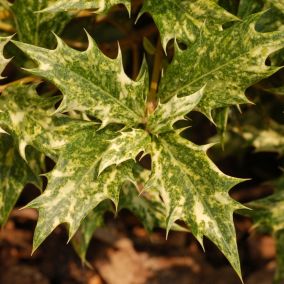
[
  {"x": 147, "y": 206},
  {"x": 91, "y": 82},
  {"x": 195, "y": 191},
  {"x": 15, "y": 173},
  {"x": 228, "y": 62},
  {"x": 165, "y": 115},
  {"x": 125, "y": 147},
  {"x": 99, "y": 5},
  {"x": 183, "y": 20}
]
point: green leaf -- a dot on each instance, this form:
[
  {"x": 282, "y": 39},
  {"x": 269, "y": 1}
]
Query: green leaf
[
  {"x": 146, "y": 205},
  {"x": 99, "y": 5},
  {"x": 15, "y": 173},
  {"x": 183, "y": 20},
  {"x": 74, "y": 187},
  {"x": 220, "y": 116},
  {"x": 228, "y": 62},
  {"x": 165, "y": 115},
  {"x": 3, "y": 60},
  {"x": 36, "y": 28},
  {"x": 91, "y": 82},
  {"x": 194, "y": 190},
  {"x": 28, "y": 118},
  {"x": 248, "y": 7},
  {"x": 125, "y": 147}
]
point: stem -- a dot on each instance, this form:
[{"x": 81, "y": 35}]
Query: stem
[
  {"x": 152, "y": 96},
  {"x": 25, "y": 80}
]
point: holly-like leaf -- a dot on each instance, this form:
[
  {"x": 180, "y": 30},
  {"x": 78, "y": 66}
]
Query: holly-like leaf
[
  {"x": 228, "y": 62},
  {"x": 74, "y": 188},
  {"x": 165, "y": 115},
  {"x": 91, "y": 82},
  {"x": 183, "y": 20},
  {"x": 268, "y": 215},
  {"x": 99, "y": 5},
  {"x": 195, "y": 191},
  {"x": 146, "y": 205},
  {"x": 28, "y": 118},
  {"x": 3, "y": 60},
  {"x": 36, "y": 28},
  {"x": 125, "y": 147},
  {"x": 15, "y": 173}
]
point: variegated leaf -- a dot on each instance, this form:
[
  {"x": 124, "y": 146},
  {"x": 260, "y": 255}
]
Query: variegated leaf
[
  {"x": 15, "y": 173},
  {"x": 165, "y": 115},
  {"x": 91, "y": 82},
  {"x": 228, "y": 62},
  {"x": 74, "y": 188},
  {"x": 125, "y": 147},
  {"x": 184, "y": 19},
  {"x": 28, "y": 117},
  {"x": 37, "y": 28},
  {"x": 146, "y": 205},
  {"x": 3, "y": 60},
  {"x": 99, "y": 5},
  {"x": 194, "y": 190}
]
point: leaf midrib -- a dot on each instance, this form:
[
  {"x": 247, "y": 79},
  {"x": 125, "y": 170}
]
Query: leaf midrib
[
  {"x": 185, "y": 86},
  {"x": 136, "y": 116},
  {"x": 185, "y": 169}
]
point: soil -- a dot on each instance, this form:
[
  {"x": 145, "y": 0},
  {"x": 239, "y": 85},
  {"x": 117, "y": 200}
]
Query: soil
[{"x": 124, "y": 253}]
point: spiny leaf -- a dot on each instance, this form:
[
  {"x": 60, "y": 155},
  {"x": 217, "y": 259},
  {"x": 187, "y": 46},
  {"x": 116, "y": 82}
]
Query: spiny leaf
[
  {"x": 165, "y": 115},
  {"x": 15, "y": 173},
  {"x": 3, "y": 60},
  {"x": 28, "y": 117},
  {"x": 74, "y": 187},
  {"x": 125, "y": 147},
  {"x": 183, "y": 20},
  {"x": 37, "y": 28},
  {"x": 147, "y": 205},
  {"x": 99, "y": 5},
  {"x": 228, "y": 62},
  {"x": 91, "y": 82},
  {"x": 194, "y": 190}
]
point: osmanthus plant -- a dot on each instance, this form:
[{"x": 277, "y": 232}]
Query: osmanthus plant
[{"x": 104, "y": 122}]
